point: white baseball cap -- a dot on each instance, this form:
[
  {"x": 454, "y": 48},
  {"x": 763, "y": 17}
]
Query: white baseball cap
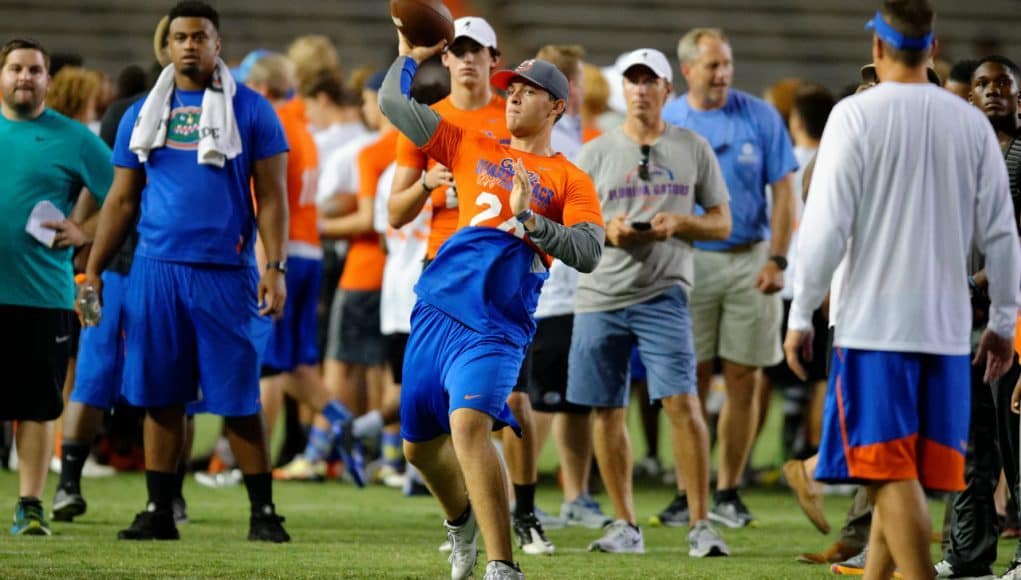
[
  {"x": 476, "y": 29},
  {"x": 651, "y": 58}
]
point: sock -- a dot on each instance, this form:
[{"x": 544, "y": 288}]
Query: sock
[
  {"x": 72, "y": 460},
  {"x": 260, "y": 490},
  {"x": 463, "y": 518},
  {"x": 161, "y": 486},
  {"x": 525, "y": 499},
  {"x": 368, "y": 425},
  {"x": 182, "y": 470},
  {"x": 29, "y": 500},
  {"x": 723, "y": 495},
  {"x": 319, "y": 444},
  {"x": 393, "y": 449},
  {"x": 335, "y": 412}
]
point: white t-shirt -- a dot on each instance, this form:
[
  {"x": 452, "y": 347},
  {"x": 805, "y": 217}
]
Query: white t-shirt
[
  {"x": 336, "y": 136},
  {"x": 557, "y": 296},
  {"x": 339, "y": 173},
  {"x": 405, "y": 250},
  {"x": 913, "y": 175},
  {"x": 803, "y": 155}
]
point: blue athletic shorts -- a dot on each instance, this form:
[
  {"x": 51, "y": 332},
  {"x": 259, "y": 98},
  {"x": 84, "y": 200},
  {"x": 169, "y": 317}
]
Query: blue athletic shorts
[
  {"x": 601, "y": 343},
  {"x": 188, "y": 325},
  {"x": 448, "y": 366},
  {"x": 100, "y": 367},
  {"x": 896, "y": 416},
  {"x": 293, "y": 342}
]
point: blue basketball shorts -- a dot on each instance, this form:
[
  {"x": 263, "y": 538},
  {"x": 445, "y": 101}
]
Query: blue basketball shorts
[
  {"x": 293, "y": 342},
  {"x": 188, "y": 325},
  {"x": 448, "y": 366},
  {"x": 99, "y": 371}
]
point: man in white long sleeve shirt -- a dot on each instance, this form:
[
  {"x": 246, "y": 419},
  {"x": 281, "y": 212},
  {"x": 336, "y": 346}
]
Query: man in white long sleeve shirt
[{"x": 907, "y": 178}]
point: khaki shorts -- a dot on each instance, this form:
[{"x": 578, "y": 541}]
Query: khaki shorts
[{"x": 732, "y": 320}]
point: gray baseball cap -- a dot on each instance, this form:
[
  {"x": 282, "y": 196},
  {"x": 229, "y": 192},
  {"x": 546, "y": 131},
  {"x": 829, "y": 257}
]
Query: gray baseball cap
[{"x": 538, "y": 72}]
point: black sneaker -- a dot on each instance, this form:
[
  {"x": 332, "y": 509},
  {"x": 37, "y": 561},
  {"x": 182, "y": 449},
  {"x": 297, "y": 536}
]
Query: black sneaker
[
  {"x": 68, "y": 504},
  {"x": 531, "y": 537},
  {"x": 151, "y": 524},
  {"x": 675, "y": 515},
  {"x": 265, "y": 526},
  {"x": 732, "y": 513},
  {"x": 179, "y": 508}
]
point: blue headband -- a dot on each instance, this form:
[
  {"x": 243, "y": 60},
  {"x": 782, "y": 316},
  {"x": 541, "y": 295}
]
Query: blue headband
[{"x": 896, "y": 39}]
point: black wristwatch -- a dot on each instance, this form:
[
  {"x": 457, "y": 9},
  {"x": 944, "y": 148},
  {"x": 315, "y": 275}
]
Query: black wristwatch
[
  {"x": 780, "y": 261},
  {"x": 425, "y": 187},
  {"x": 278, "y": 265}
]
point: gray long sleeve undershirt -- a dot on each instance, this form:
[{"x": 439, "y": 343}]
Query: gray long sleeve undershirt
[{"x": 579, "y": 246}]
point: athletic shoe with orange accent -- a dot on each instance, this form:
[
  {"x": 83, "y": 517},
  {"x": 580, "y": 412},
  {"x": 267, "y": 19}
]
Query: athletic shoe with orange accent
[{"x": 856, "y": 566}]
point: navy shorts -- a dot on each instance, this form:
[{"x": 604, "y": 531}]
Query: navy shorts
[
  {"x": 448, "y": 366},
  {"x": 100, "y": 368},
  {"x": 293, "y": 342},
  {"x": 598, "y": 369},
  {"x": 188, "y": 325}
]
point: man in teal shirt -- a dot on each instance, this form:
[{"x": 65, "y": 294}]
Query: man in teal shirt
[{"x": 47, "y": 158}]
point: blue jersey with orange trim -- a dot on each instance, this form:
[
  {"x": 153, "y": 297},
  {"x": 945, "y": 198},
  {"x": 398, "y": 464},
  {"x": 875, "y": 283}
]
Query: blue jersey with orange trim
[{"x": 488, "y": 275}]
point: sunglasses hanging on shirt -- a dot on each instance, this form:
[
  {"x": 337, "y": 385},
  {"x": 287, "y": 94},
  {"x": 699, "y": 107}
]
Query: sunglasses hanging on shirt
[{"x": 643, "y": 166}]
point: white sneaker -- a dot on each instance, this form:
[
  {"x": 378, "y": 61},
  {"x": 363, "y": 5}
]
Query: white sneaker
[
  {"x": 501, "y": 571},
  {"x": 704, "y": 540},
  {"x": 945, "y": 569},
  {"x": 548, "y": 520},
  {"x": 463, "y": 547},
  {"x": 584, "y": 511},
  {"x": 93, "y": 469},
  {"x": 620, "y": 538},
  {"x": 217, "y": 480}
]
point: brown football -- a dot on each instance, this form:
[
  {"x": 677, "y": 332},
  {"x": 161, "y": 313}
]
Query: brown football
[{"x": 423, "y": 22}]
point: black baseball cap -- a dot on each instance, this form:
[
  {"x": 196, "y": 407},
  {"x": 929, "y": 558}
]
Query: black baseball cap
[{"x": 537, "y": 72}]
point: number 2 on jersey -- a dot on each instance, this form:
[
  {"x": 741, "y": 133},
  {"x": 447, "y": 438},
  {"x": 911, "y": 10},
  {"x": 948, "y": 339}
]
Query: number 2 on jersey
[{"x": 492, "y": 207}]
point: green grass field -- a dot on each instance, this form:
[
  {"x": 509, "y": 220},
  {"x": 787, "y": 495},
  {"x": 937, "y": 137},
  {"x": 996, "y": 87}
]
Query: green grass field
[{"x": 341, "y": 532}]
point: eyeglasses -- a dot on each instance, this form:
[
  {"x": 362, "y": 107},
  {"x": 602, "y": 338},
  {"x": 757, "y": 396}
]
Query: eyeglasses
[{"x": 643, "y": 167}]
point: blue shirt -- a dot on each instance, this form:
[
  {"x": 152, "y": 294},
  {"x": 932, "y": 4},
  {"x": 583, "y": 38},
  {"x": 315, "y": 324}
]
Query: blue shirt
[
  {"x": 754, "y": 150},
  {"x": 49, "y": 158},
  {"x": 193, "y": 213}
]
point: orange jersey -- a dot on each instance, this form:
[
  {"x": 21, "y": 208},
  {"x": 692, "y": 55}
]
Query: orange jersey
[
  {"x": 483, "y": 172},
  {"x": 485, "y": 275},
  {"x": 363, "y": 269},
  {"x": 489, "y": 121},
  {"x": 302, "y": 177}
]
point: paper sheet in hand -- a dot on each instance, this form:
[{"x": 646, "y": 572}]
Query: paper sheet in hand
[{"x": 44, "y": 211}]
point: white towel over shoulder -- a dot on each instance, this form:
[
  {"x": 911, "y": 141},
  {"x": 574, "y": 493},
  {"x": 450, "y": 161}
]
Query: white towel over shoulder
[{"x": 219, "y": 139}]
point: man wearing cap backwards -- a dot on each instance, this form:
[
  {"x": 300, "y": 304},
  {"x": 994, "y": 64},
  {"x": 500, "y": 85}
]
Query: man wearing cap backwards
[
  {"x": 735, "y": 306},
  {"x": 419, "y": 179},
  {"x": 649, "y": 176},
  {"x": 523, "y": 205},
  {"x": 898, "y": 403}
]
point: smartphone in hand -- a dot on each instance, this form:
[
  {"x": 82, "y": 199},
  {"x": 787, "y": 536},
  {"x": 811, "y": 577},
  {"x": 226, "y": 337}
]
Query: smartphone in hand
[{"x": 641, "y": 226}]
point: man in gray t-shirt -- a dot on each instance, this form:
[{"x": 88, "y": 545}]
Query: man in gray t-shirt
[{"x": 649, "y": 176}]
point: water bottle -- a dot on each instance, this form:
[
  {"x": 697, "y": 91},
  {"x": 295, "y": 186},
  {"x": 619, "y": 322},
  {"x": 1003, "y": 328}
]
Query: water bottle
[{"x": 88, "y": 301}]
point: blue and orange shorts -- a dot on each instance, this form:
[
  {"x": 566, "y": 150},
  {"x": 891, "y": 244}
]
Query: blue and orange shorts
[{"x": 896, "y": 416}]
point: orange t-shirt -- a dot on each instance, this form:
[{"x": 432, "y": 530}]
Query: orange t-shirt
[
  {"x": 302, "y": 177},
  {"x": 363, "y": 269},
  {"x": 490, "y": 121},
  {"x": 1017, "y": 336},
  {"x": 483, "y": 171}
]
